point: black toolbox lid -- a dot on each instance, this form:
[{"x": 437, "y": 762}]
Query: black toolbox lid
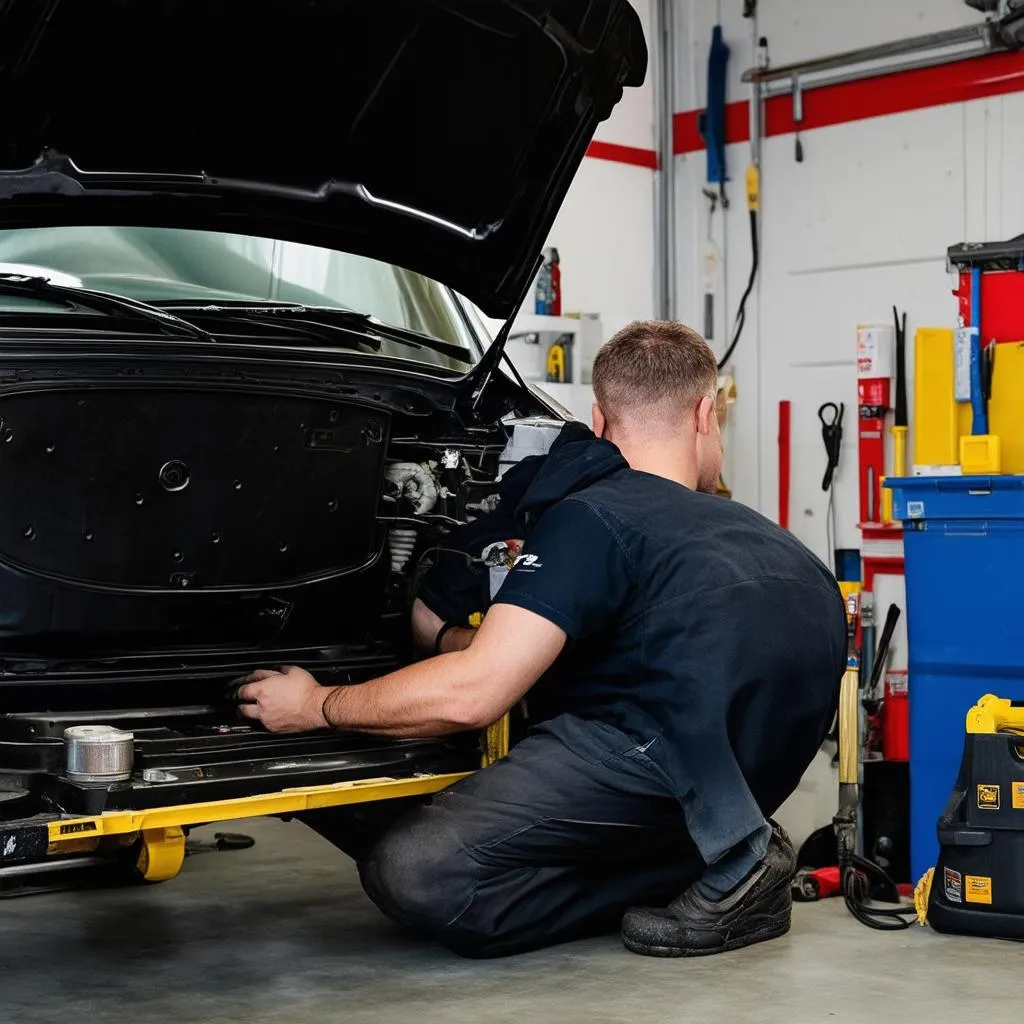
[{"x": 1008, "y": 255}]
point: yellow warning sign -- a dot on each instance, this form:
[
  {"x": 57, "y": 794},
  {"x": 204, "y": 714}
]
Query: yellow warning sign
[
  {"x": 977, "y": 889},
  {"x": 1018, "y": 796},
  {"x": 988, "y": 797}
]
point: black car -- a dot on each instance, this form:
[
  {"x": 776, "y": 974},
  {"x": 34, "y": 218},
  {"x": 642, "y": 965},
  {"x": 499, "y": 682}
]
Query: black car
[{"x": 244, "y": 388}]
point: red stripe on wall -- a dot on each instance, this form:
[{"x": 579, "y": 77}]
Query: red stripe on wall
[
  {"x": 623, "y": 154},
  {"x": 991, "y": 75}
]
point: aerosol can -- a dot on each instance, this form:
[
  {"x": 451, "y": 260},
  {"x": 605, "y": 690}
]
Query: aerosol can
[{"x": 548, "y": 295}]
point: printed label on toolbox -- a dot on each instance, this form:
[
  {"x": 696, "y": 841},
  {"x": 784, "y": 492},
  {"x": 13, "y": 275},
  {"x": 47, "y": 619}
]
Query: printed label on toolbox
[
  {"x": 978, "y": 889},
  {"x": 954, "y": 885},
  {"x": 962, "y": 339},
  {"x": 915, "y": 509},
  {"x": 988, "y": 797},
  {"x": 1017, "y": 796}
]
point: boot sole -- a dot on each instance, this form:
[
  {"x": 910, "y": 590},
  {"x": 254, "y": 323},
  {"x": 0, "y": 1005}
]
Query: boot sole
[
  {"x": 773, "y": 921},
  {"x": 763, "y": 933}
]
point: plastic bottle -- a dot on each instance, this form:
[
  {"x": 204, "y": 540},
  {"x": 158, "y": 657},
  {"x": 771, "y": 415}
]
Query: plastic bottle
[
  {"x": 555, "y": 292},
  {"x": 548, "y": 291},
  {"x": 541, "y": 290}
]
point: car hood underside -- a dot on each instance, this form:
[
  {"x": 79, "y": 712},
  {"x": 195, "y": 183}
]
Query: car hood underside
[{"x": 438, "y": 135}]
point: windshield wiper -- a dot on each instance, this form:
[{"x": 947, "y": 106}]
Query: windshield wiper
[
  {"x": 101, "y": 302},
  {"x": 326, "y": 316}
]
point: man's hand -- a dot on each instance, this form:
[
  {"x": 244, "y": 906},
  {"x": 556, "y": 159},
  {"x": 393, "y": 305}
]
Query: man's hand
[
  {"x": 287, "y": 701},
  {"x": 457, "y": 692},
  {"x": 458, "y": 638}
]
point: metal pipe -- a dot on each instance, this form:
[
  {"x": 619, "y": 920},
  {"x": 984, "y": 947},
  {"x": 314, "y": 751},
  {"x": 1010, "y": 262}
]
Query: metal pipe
[
  {"x": 982, "y": 34},
  {"x": 785, "y": 88},
  {"x": 664, "y": 213},
  {"x": 756, "y": 106},
  {"x": 46, "y": 866}
]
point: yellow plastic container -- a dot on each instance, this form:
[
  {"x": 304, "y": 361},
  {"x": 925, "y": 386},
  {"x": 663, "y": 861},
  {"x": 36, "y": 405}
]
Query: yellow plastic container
[
  {"x": 937, "y": 425},
  {"x": 887, "y": 497},
  {"x": 1006, "y": 406},
  {"x": 980, "y": 454}
]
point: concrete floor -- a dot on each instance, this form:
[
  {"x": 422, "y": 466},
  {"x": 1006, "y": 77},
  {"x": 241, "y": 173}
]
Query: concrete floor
[{"x": 282, "y": 933}]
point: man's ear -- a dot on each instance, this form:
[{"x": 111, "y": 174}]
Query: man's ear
[
  {"x": 598, "y": 420},
  {"x": 706, "y": 415}
]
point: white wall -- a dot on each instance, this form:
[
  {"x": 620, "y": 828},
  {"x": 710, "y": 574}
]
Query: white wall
[
  {"x": 604, "y": 232},
  {"x": 605, "y": 240},
  {"x": 863, "y": 223}
]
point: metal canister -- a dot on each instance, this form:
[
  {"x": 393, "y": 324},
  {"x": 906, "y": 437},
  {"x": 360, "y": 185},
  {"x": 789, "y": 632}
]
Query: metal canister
[{"x": 98, "y": 753}]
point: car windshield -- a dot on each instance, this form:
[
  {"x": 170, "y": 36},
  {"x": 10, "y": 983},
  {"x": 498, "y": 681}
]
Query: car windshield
[{"x": 171, "y": 265}]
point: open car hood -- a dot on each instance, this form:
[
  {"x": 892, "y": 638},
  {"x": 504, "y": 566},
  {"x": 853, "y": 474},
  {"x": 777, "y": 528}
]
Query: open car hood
[{"x": 438, "y": 135}]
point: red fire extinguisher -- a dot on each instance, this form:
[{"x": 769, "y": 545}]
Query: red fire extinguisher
[
  {"x": 896, "y": 717},
  {"x": 874, "y": 373}
]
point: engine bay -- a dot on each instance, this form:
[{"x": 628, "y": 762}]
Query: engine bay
[{"x": 165, "y": 642}]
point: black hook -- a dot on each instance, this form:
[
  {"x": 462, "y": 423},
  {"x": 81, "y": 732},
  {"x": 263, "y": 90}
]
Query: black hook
[{"x": 832, "y": 435}]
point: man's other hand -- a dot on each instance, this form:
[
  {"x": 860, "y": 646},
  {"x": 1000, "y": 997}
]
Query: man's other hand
[
  {"x": 457, "y": 639},
  {"x": 287, "y": 701}
]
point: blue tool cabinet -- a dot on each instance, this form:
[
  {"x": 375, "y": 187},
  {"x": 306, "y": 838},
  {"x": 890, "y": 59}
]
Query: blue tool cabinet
[{"x": 963, "y": 541}]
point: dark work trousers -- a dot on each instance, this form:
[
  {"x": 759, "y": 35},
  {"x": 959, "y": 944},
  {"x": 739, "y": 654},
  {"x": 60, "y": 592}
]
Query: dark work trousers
[{"x": 550, "y": 844}]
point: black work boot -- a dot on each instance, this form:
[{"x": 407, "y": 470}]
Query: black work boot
[{"x": 758, "y": 908}]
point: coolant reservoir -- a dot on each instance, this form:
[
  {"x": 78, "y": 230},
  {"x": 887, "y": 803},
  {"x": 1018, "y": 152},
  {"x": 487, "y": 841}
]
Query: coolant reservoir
[{"x": 529, "y": 437}]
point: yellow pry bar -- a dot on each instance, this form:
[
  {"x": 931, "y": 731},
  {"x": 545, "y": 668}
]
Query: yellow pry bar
[{"x": 288, "y": 801}]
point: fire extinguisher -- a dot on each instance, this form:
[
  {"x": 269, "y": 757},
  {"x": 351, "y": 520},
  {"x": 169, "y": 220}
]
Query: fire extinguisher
[{"x": 875, "y": 344}]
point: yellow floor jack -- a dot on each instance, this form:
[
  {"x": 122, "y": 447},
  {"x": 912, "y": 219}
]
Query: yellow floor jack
[{"x": 855, "y": 872}]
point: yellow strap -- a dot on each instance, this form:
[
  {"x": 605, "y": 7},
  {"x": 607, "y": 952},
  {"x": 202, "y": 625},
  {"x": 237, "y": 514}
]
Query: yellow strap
[{"x": 921, "y": 893}]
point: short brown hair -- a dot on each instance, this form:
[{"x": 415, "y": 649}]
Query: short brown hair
[{"x": 651, "y": 363}]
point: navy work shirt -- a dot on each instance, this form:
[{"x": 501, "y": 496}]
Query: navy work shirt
[{"x": 695, "y": 626}]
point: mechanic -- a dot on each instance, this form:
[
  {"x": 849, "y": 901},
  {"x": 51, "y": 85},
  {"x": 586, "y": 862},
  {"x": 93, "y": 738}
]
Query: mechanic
[{"x": 682, "y": 656}]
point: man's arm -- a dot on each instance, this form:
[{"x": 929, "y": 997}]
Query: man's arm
[
  {"x": 465, "y": 690},
  {"x": 426, "y": 625}
]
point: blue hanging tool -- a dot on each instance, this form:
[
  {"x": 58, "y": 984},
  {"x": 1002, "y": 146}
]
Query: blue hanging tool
[
  {"x": 979, "y": 368},
  {"x": 711, "y": 123}
]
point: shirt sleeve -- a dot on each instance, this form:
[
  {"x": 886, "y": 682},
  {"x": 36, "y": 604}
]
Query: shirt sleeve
[
  {"x": 573, "y": 571},
  {"x": 453, "y": 588}
]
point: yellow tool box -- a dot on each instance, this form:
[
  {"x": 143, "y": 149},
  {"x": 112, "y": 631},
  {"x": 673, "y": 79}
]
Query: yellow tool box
[{"x": 977, "y": 885}]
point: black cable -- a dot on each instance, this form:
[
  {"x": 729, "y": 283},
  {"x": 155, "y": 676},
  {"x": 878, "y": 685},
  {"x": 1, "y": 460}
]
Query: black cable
[
  {"x": 854, "y": 880},
  {"x": 830, "y": 530},
  {"x": 741, "y": 313},
  {"x": 446, "y": 551}
]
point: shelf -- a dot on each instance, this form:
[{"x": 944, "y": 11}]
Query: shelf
[{"x": 530, "y": 323}]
